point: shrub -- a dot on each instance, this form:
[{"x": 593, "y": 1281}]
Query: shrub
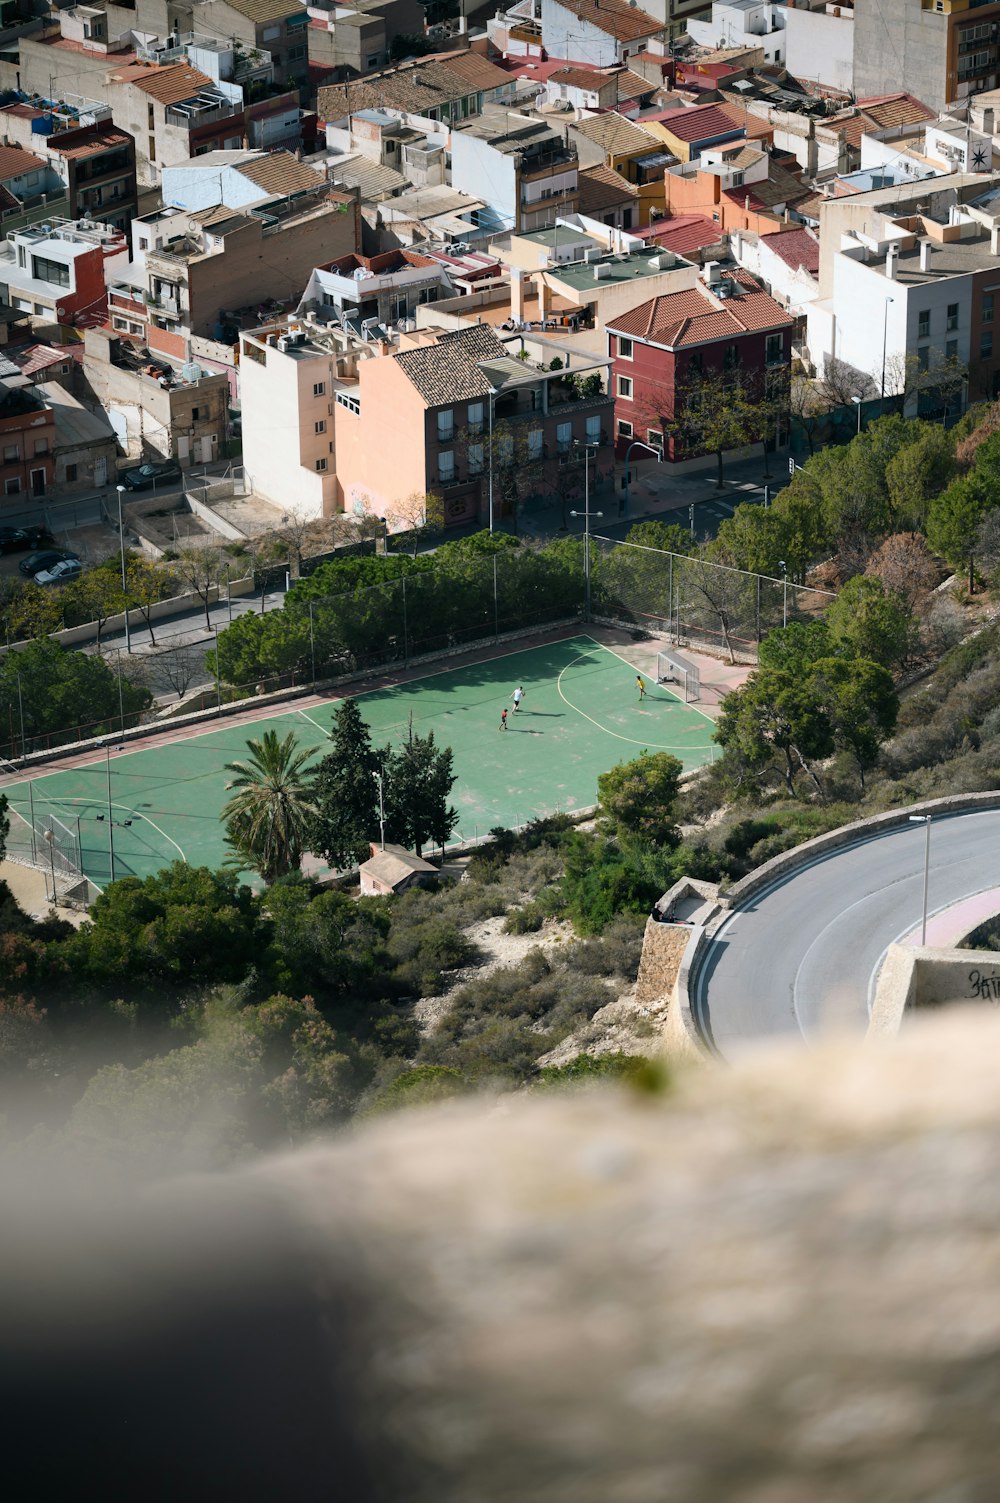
[{"x": 526, "y": 920}]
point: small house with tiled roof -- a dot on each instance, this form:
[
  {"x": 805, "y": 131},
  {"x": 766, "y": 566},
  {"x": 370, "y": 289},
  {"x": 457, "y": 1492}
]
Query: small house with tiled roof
[
  {"x": 599, "y": 32},
  {"x": 725, "y": 328}
]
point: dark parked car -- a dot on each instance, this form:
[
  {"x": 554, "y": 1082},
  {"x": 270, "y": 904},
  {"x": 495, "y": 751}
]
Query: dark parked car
[
  {"x": 16, "y": 539},
  {"x": 146, "y": 475},
  {"x": 36, "y": 562},
  {"x": 60, "y": 573}
]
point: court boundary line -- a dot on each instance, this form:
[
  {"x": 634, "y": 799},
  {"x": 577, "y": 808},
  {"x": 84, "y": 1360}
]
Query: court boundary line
[
  {"x": 306, "y": 716},
  {"x": 703, "y": 713},
  {"x": 631, "y": 740},
  {"x": 115, "y": 804}
]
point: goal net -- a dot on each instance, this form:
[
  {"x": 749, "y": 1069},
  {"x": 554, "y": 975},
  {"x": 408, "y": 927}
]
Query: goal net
[{"x": 675, "y": 668}]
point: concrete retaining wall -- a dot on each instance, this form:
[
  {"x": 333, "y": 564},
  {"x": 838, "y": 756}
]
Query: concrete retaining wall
[
  {"x": 913, "y": 980},
  {"x": 786, "y": 865},
  {"x": 163, "y": 610}
]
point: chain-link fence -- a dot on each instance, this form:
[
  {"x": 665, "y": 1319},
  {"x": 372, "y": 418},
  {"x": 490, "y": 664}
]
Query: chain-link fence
[
  {"x": 47, "y": 844},
  {"x": 693, "y": 602}
]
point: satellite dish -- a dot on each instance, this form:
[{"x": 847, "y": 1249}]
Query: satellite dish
[{"x": 60, "y": 313}]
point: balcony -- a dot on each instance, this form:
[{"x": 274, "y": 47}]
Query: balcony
[{"x": 194, "y": 113}]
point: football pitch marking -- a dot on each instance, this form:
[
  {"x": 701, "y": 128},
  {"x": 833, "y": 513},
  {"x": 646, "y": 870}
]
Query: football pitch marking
[{"x": 584, "y": 657}]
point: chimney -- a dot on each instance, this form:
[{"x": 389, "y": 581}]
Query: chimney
[
  {"x": 995, "y": 239},
  {"x": 746, "y": 203},
  {"x": 710, "y": 272},
  {"x": 890, "y": 263},
  {"x": 736, "y": 241},
  {"x": 517, "y": 294},
  {"x": 926, "y": 251}
]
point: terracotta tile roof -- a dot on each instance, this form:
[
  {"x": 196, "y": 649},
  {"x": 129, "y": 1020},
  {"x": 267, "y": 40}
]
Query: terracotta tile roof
[
  {"x": 697, "y": 124},
  {"x": 777, "y": 190},
  {"x": 171, "y": 84},
  {"x": 616, "y": 18},
  {"x": 616, "y": 135},
  {"x": 632, "y": 85},
  {"x": 265, "y": 10},
  {"x": 37, "y": 357},
  {"x": 280, "y": 172},
  {"x": 684, "y": 234},
  {"x": 681, "y": 319},
  {"x": 895, "y": 109},
  {"x": 448, "y": 371},
  {"x": 99, "y": 142},
  {"x": 425, "y": 84},
  {"x": 798, "y": 247},
  {"x": 372, "y": 180},
  {"x": 579, "y": 78},
  {"x": 14, "y": 161},
  {"x": 475, "y": 70},
  {"x": 217, "y": 216},
  {"x": 602, "y": 188},
  {"x": 755, "y": 128}
]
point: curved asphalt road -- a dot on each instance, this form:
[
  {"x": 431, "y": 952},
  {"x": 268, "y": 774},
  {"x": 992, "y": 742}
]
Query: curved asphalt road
[{"x": 803, "y": 955}]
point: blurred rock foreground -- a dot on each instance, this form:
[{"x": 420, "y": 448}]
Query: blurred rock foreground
[{"x": 773, "y": 1283}]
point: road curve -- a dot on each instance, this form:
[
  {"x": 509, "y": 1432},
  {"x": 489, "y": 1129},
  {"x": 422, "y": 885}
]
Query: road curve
[{"x": 803, "y": 955}]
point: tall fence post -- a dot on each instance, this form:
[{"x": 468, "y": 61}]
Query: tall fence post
[
  {"x": 121, "y": 694},
  {"x": 496, "y": 604},
  {"x": 406, "y": 655},
  {"x": 312, "y": 643}
]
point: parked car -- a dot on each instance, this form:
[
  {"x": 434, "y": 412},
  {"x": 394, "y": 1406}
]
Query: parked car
[
  {"x": 36, "y": 562},
  {"x": 16, "y": 539},
  {"x": 146, "y": 475},
  {"x": 61, "y": 572}
]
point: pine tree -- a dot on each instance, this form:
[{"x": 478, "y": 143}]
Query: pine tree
[
  {"x": 419, "y": 778},
  {"x": 345, "y": 792}
]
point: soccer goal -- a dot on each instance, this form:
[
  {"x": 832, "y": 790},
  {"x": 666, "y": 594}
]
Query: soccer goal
[{"x": 673, "y": 668}]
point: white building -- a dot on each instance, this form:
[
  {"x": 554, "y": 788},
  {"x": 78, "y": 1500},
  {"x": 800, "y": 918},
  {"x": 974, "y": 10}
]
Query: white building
[
  {"x": 743, "y": 23},
  {"x": 910, "y": 283},
  {"x": 819, "y": 45},
  {"x": 787, "y": 263},
  {"x": 290, "y": 373},
  {"x": 599, "y": 32}
]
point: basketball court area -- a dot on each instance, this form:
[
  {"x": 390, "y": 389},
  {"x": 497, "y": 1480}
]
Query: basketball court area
[{"x": 152, "y": 802}]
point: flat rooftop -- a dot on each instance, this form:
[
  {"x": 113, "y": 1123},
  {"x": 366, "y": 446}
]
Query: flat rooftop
[
  {"x": 634, "y": 267},
  {"x": 560, "y": 234},
  {"x": 957, "y": 258}
]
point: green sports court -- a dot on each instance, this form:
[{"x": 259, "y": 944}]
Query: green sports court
[{"x": 580, "y": 714}]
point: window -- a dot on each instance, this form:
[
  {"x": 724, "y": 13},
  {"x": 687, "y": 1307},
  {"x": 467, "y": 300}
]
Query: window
[
  {"x": 319, "y": 389},
  {"x": 987, "y": 307},
  {"x": 12, "y": 486},
  {"x": 594, "y": 428},
  {"x": 372, "y": 60},
  {"x": 774, "y": 349},
  {"x": 952, "y": 316},
  {"x": 474, "y": 416},
  {"x": 320, "y": 427},
  {"x": 951, "y": 349},
  {"x": 195, "y": 414},
  {"x": 624, "y": 349},
  {"x": 44, "y": 270},
  {"x": 150, "y": 116},
  {"x": 731, "y": 358},
  {"x": 626, "y": 219},
  {"x": 738, "y": 179},
  {"x": 624, "y": 429},
  {"x": 446, "y": 466},
  {"x": 70, "y": 473},
  {"x": 986, "y": 345},
  {"x": 446, "y": 426},
  {"x": 295, "y": 54},
  {"x": 923, "y": 358},
  {"x": 654, "y": 437},
  {"x": 11, "y": 453},
  {"x": 41, "y": 446},
  {"x": 924, "y": 323},
  {"x": 321, "y": 465},
  {"x": 536, "y": 442},
  {"x": 625, "y": 387},
  {"x": 564, "y": 437},
  {"x": 476, "y": 459},
  {"x": 271, "y": 32}
]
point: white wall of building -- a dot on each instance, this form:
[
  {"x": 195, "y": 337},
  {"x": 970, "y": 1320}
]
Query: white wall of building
[
  {"x": 794, "y": 288},
  {"x": 819, "y": 47},
  {"x": 743, "y": 26},
  {"x": 280, "y": 444},
  {"x": 484, "y": 172}
]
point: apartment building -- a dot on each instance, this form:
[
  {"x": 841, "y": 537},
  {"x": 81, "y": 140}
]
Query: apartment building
[
  {"x": 55, "y": 271},
  {"x": 385, "y": 290},
  {"x": 257, "y": 226},
  {"x": 724, "y": 323},
  {"x": 631, "y": 151},
  {"x": 174, "y": 112},
  {"x": 27, "y": 440},
  {"x": 159, "y": 411},
  {"x": 278, "y": 26},
  {"x": 599, "y": 32},
  {"x": 525, "y": 170},
  {"x": 350, "y": 40},
  {"x": 942, "y": 50},
  {"x": 418, "y": 419},
  {"x": 448, "y": 88}
]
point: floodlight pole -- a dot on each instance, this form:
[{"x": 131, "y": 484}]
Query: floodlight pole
[
  {"x": 111, "y": 822},
  {"x": 637, "y": 443},
  {"x": 121, "y": 538},
  {"x": 587, "y": 514}
]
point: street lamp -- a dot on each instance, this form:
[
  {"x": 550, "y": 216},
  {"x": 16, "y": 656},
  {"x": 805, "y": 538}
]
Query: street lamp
[
  {"x": 857, "y": 402},
  {"x": 121, "y": 539},
  {"x": 587, "y": 514},
  {"x": 637, "y": 443},
  {"x": 925, "y": 820},
  {"x": 784, "y": 591},
  {"x": 492, "y": 391},
  {"x": 885, "y": 332}
]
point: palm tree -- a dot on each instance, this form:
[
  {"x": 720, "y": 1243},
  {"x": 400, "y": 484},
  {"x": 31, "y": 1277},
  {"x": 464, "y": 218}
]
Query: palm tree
[{"x": 266, "y": 821}]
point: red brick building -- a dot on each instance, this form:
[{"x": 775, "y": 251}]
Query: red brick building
[{"x": 726, "y": 323}]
